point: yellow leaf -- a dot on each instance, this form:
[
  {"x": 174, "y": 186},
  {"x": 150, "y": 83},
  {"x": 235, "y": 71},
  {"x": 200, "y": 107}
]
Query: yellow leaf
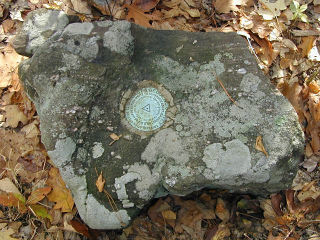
[
  {"x": 59, "y": 194},
  {"x": 259, "y": 145},
  {"x": 168, "y": 214},
  {"x": 41, "y": 211},
  {"x": 100, "y": 182}
]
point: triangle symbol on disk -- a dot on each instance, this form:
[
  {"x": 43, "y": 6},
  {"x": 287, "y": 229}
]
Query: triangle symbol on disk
[{"x": 146, "y": 108}]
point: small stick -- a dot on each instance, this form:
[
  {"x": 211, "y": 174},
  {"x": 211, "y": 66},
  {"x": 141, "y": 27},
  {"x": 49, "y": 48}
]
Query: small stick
[{"x": 225, "y": 90}]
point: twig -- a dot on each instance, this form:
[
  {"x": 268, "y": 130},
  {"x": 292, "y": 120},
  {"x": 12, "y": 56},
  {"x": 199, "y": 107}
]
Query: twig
[
  {"x": 225, "y": 90},
  {"x": 289, "y": 233},
  {"x": 247, "y": 236},
  {"x": 305, "y": 33}
]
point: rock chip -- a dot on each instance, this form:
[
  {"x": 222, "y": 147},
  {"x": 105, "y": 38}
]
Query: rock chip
[{"x": 145, "y": 108}]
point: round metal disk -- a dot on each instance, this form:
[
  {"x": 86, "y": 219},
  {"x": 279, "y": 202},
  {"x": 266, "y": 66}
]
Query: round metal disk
[{"x": 146, "y": 110}]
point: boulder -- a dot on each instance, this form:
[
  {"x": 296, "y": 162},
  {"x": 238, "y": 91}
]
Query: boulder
[{"x": 147, "y": 109}]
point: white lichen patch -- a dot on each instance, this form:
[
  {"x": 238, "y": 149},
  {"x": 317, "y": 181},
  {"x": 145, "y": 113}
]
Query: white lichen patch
[
  {"x": 120, "y": 185},
  {"x": 71, "y": 62},
  {"x": 85, "y": 47},
  {"x": 165, "y": 144},
  {"x": 41, "y": 23},
  {"x": 250, "y": 83},
  {"x": 84, "y": 28},
  {"x": 119, "y": 39},
  {"x": 63, "y": 151},
  {"x": 146, "y": 181},
  {"x": 101, "y": 218},
  {"x": 104, "y": 23},
  {"x": 97, "y": 150},
  {"x": 231, "y": 162}
]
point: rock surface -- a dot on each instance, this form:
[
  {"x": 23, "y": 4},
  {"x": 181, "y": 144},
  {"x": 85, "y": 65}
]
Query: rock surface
[{"x": 83, "y": 81}]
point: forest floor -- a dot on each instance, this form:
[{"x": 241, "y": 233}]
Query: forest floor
[{"x": 282, "y": 34}]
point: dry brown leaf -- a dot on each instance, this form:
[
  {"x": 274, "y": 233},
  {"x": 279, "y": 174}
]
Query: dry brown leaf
[
  {"x": 100, "y": 183},
  {"x": 225, "y": 6},
  {"x": 221, "y": 210},
  {"x": 314, "y": 87},
  {"x": 306, "y": 45},
  {"x": 271, "y": 9},
  {"x": 265, "y": 51},
  {"x": 276, "y": 200},
  {"x": 139, "y": 17},
  {"x": 259, "y": 146},
  {"x": 59, "y": 194},
  {"x": 223, "y": 231},
  {"x": 168, "y": 214},
  {"x": 172, "y": 3},
  {"x": 114, "y": 137},
  {"x": 13, "y": 116},
  {"x": 5, "y": 233},
  {"x": 146, "y": 5},
  {"x": 9, "y": 61},
  {"x": 192, "y": 12},
  {"x": 8, "y": 186},
  {"x": 31, "y": 130},
  {"x": 7, "y": 25},
  {"x": 38, "y": 195}
]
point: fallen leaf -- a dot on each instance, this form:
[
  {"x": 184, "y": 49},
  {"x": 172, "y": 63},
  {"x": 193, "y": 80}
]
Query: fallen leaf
[
  {"x": 276, "y": 200},
  {"x": 306, "y": 45},
  {"x": 41, "y": 211},
  {"x": 192, "y": 12},
  {"x": 311, "y": 163},
  {"x": 13, "y": 200},
  {"x": 223, "y": 231},
  {"x": 8, "y": 186},
  {"x": 139, "y": 17},
  {"x": 80, "y": 228},
  {"x": 114, "y": 137},
  {"x": 168, "y": 214},
  {"x": 271, "y": 9},
  {"x": 314, "y": 87},
  {"x": 38, "y": 195},
  {"x": 146, "y": 5},
  {"x": 59, "y": 194},
  {"x": 100, "y": 182},
  {"x": 225, "y": 6},
  {"x": 7, "y": 25},
  {"x": 31, "y": 130},
  {"x": 9, "y": 61},
  {"x": 13, "y": 116},
  {"x": 265, "y": 51},
  {"x": 221, "y": 210},
  {"x": 259, "y": 145},
  {"x": 5, "y": 233}
]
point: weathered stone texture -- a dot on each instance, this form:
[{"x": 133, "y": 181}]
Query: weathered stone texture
[{"x": 78, "y": 77}]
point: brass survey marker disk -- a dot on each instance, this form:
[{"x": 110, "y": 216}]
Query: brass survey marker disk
[{"x": 147, "y": 109}]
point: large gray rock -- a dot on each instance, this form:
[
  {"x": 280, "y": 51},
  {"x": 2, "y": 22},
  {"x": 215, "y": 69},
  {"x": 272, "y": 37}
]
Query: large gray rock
[{"x": 94, "y": 79}]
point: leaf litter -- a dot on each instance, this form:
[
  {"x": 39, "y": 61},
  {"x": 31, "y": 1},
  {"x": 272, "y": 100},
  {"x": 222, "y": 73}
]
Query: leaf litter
[{"x": 284, "y": 37}]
